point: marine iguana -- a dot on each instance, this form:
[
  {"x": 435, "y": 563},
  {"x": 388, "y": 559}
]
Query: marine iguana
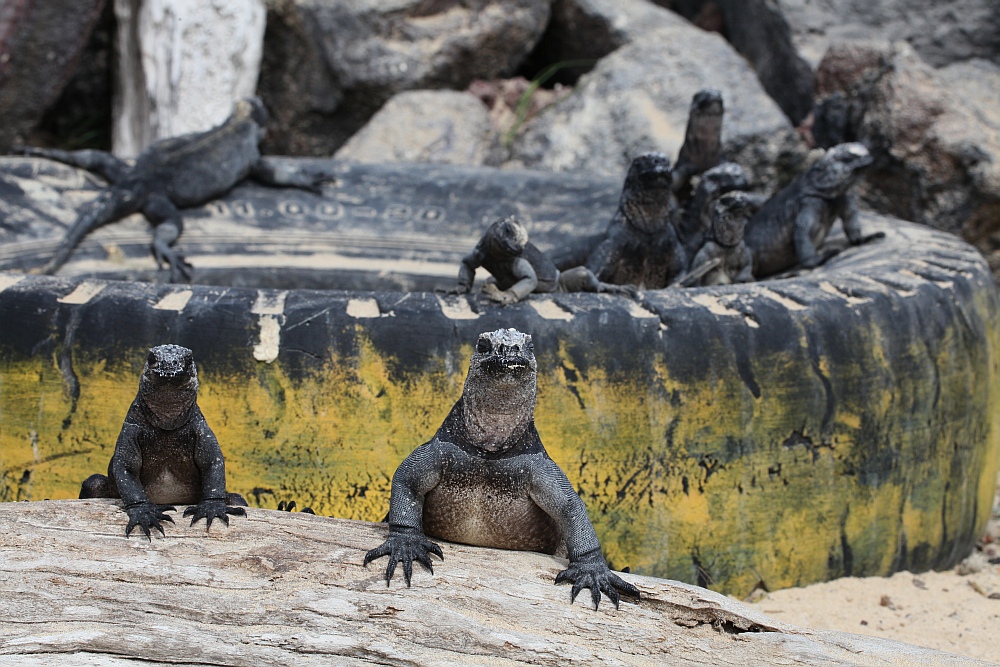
[
  {"x": 485, "y": 479},
  {"x": 792, "y": 224},
  {"x": 702, "y": 147},
  {"x": 641, "y": 246},
  {"x": 735, "y": 261},
  {"x": 166, "y": 453},
  {"x": 519, "y": 268},
  {"x": 171, "y": 174},
  {"x": 694, "y": 226}
]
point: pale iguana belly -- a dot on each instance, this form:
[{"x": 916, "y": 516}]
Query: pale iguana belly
[{"x": 488, "y": 515}]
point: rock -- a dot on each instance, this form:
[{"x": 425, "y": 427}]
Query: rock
[
  {"x": 761, "y": 34},
  {"x": 940, "y": 32},
  {"x": 441, "y": 126},
  {"x": 935, "y": 135},
  {"x": 181, "y": 66},
  {"x": 637, "y": 99},
  {"x": 275, "y": 588},
  {"x": 350, "y": 58},
  {"x": 40, "y": 45}
]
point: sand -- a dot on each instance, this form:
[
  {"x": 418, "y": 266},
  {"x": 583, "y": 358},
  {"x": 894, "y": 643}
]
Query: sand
[{"x": 956, "y": 611}]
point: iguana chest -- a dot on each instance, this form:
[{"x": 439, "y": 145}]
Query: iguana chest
[
  {"x": 488, "y": 505},
  {"x": 168, "y": 472}
]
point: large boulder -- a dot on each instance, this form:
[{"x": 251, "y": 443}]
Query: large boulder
[
  {"x": 941, "y": 32},
  {"x": 40, "y": 46},
  {"x": 637, "y": 98},
  {"x": 331, "y": 65},
  {"x": 935, "y": 134},
  {"x": 441, "y": 126},
  {"x": 757, "y": 29}
]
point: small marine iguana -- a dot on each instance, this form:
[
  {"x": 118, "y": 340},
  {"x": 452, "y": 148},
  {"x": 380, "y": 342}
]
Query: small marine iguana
[
  {"x": 695, "y": 224},
  {"x": 734, "y": 260},
  {"x": 485, "y": 479},
  {"x": 791, "y": 225},
  {"x": 519, "y": 268},
  {"x": 641, "y": 246},
  {"x": 171, "y": 174},
  {"x": 702, "y": 147},
  {"x": 166, "y": 453}
]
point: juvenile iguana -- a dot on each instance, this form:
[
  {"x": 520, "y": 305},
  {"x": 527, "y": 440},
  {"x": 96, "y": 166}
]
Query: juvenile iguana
[
  {"x": 791, "y": 225},
  {"x": 519, "y": 268},
  {"x": 166, "y": 453},
  {"x": 485, "y": 479},
  {"x": 641, "y": 246}
]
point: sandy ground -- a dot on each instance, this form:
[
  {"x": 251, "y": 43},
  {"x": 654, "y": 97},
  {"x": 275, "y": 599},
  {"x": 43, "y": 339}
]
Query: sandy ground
[{"x": 956, "y": 611}]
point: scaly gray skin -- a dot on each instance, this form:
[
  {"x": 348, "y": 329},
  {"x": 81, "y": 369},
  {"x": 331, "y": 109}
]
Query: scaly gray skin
[
  {"x": 695, "y": 225},
  {"x": 486, "y": 480},
  {"x": 735, "y": 261},
  {"x": 702, "y": 147},
  {"x": 641, "y": 246},
  {"x": 166, "y": 454},
  {"x": 171, "y": 174},
  {"x": 519, "y": 268},
  {"x": 789, "y": 228}
]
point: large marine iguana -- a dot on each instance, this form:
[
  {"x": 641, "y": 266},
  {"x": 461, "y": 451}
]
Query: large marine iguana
[
  {"x": 641, "y": 246},
  {"x": 519, "y": 268},
  {"x": 171, "y": 174},
  {"x": 485, "y": 479},
  {"x": 166, "y": 453},
  {"x": 791, "y": 225}
]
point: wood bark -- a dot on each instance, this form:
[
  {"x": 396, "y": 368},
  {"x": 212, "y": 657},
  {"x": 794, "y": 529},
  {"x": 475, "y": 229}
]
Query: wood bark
[
  {"x": 181, "y": 65},
  {"x": 279, "y": 588}
]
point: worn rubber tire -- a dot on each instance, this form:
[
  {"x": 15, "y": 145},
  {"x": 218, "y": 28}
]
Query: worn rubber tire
[{"x": 839, "y": 423}]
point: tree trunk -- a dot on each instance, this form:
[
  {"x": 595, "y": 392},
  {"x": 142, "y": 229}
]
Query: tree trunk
[{"x": 288, "y": 588}]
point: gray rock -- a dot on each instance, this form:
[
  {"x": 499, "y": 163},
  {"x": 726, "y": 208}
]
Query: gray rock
[
  {"x": 40, "y": 44},
  {"x": 935, "y": 135},
  {"x": 941, "y": 32},
  {"x": 440, "y": 126},
  {"x": 331, "y": 64},
  {"x": 636, "y": 100},
  {"x": 762, "y": 35}
]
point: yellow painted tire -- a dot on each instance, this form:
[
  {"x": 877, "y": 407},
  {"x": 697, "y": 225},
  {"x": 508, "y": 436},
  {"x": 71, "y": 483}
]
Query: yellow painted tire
[{"x": 787, "y": 432}]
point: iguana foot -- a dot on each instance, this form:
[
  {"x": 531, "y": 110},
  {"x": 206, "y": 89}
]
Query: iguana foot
[
  {"x": 180, "y": 270},
  {"x": 631, "y": 291},
  {"x": 596, "y": 576},
  {"x": 146, "y": 515},
  {"x": 212, "y": 508},
  {"x": 494, "y": 293},
  {"x": 406, "y": 547},
  {"x": 290, "y": 505}
]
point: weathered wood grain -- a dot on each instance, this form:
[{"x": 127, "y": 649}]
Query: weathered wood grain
[{"x": 280, "y": 589}]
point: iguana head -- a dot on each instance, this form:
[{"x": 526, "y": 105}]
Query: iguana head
[
  {"x": 706, "y": 102},
  {"x": 499, "y": 394},
  {"x": 505, "y": 238},
  {"x": 169, "y": 385},
  {"x": 720, "y": 179},
  {"x": 729, "y": 218},
  {"x": 838, "y": 169},
  {"x": 646, "y": 194}
]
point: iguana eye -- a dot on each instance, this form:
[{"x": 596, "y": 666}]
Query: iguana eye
[
  {"x": 484, "y": 346},
  {"x": 530, "y": 347}
]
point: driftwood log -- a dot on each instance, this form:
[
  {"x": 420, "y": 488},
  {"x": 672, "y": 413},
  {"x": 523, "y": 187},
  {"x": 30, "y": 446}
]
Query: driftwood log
[{"x": 281, "y": 588}]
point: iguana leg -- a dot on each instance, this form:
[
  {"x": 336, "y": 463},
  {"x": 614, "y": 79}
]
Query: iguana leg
[
  {"x": 97, "y": 486},
  {"x": 101, "y": 163},
  {"x": 582, "y": 279},
  {"x": 168, "y": 227}
]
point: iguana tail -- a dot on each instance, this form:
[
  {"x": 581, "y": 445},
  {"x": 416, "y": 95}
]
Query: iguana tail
[{"x": 111, "y": 205}]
